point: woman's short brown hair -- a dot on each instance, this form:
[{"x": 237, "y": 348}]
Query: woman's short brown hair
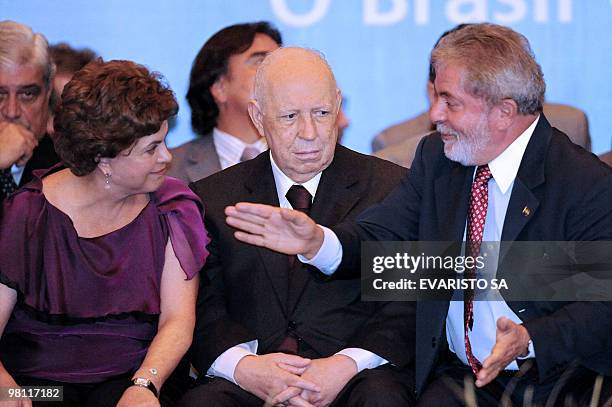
[{"x": 105, "y": 108}]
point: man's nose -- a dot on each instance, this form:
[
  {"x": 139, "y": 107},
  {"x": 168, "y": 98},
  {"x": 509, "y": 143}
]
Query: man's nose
[
  {"x": 308, "y": 129},
  {"x": 437, "y": 111},
  {"x": 11, "y": 109}
]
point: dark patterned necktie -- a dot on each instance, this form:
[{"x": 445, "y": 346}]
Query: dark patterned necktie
[
  {"x": 300, "y": 200},
  {"x": 7, "y": 184},
  {"x": 477, "y": 214}
]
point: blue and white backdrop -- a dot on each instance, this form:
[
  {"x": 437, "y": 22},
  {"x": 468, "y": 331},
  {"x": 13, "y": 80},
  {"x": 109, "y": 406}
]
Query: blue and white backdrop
[{"x": 378, "y": 48}]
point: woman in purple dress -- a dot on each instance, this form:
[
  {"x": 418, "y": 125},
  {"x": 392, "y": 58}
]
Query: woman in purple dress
[{"x": 99, "y": 258}]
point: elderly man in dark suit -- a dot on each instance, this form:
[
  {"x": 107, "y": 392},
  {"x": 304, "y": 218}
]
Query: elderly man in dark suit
[
  {"x": 268, "y": 327},
  {"x": 494, "y": 171}
]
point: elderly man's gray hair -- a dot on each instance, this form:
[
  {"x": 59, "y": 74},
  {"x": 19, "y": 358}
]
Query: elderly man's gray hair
[{"x": 19, "y": 45}]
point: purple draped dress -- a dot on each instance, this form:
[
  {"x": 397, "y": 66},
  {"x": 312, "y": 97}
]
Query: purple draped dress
[{"x": 88, "y": 308}]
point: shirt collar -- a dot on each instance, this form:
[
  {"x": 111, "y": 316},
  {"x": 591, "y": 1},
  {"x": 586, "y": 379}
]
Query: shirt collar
[
  {"x": 283, "y": 183},
  {"x": 17, "y": 172},
  {"x": 232, "y": 147},
  {"x": 505, "y": 166}
]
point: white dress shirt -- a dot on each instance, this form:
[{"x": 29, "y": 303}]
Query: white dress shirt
[
  {"x": 482, "y": 337},
  {"x": 17, "y": 172},
  {"x": 486, "y": 313},
  {"x": 230, "y": 148},
  {"x": 225, "y": 365}
]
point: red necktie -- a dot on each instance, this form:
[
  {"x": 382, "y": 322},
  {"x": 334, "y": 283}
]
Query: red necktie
[
  {"x": 300, "y": 200},
  {"x": 477, "y": 214}
]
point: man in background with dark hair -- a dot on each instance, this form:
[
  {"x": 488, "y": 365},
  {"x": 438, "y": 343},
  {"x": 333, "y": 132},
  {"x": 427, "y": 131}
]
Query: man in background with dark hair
[
  {"x": 219, "y": 91},
  {"x": 67, "y": 61}
]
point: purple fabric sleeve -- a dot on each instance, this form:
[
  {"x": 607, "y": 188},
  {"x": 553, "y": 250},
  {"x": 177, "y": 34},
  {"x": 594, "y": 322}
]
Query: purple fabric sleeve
[
  {"x": 88, "y": 308},
  {"x": 183, "y": 211}
]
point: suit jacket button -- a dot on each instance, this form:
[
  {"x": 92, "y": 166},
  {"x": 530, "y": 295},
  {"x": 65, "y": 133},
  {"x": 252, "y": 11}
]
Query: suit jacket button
[
  {"x": 433, "y": 342},
  {"x": 292, "y": 325}
]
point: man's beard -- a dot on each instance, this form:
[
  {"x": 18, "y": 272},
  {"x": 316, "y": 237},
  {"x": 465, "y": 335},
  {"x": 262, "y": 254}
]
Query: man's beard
[{"x": 469, "y": 144}]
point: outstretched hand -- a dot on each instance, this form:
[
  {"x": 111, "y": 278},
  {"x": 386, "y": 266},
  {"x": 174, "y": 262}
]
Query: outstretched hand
[
  {"x": 279, "y": 229},
  {"x": 512, "y": 341}
]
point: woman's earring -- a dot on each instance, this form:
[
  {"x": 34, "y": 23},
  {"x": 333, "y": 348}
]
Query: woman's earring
[{"x": 107, "y": 179}]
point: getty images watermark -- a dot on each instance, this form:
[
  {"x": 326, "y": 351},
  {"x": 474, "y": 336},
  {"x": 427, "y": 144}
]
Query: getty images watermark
[{"x": 510, "y": 271}]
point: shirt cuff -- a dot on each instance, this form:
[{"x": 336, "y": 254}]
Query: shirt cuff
[
  {"x": 225, "y": 365},
  {"x": 363, "y": 358},
  {"x": 531, "y": 353},
  {"x": 329, "y": 256}
]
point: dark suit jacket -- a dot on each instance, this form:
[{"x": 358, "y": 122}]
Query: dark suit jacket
[
  {"x": 43, "y": 156},
  {"x": 569, "y": 193},
  {"x": 245, "y": 292}
]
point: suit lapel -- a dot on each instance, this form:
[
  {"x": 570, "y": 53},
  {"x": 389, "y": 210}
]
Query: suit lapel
[
  {"x": 337, "y": 193},
  {"x": 524, "y": 203},
  {"x": 43, "y": 157},
  {"x": 336, "y": 196},
  {"x": 262, "y": 189},
  {"x": 521, "y": 208},
  {"x": 203, "y": 160},
  {"x": 452, "y": 193}
]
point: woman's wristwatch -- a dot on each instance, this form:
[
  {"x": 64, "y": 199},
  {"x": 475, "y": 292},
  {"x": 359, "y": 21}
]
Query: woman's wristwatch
[{"x": 144, "y": 382}]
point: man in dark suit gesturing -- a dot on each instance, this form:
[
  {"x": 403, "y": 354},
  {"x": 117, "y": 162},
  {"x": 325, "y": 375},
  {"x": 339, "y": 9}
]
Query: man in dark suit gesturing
[
  {"x": 268, "y": 327},
  {"x": 495, "y": 156}
]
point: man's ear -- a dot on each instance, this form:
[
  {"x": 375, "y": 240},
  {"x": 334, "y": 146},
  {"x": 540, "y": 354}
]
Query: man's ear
[
  {"x": 505, "y": 113},
  {"x": 50, "y": 123},
  {"x": 53, "y": 100},
  {"x": 338, "y": 101},
  {"x": 218, "y": 90},
  {"x": 431, "y": 92},
  {"x": 256, "y": 116}
]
